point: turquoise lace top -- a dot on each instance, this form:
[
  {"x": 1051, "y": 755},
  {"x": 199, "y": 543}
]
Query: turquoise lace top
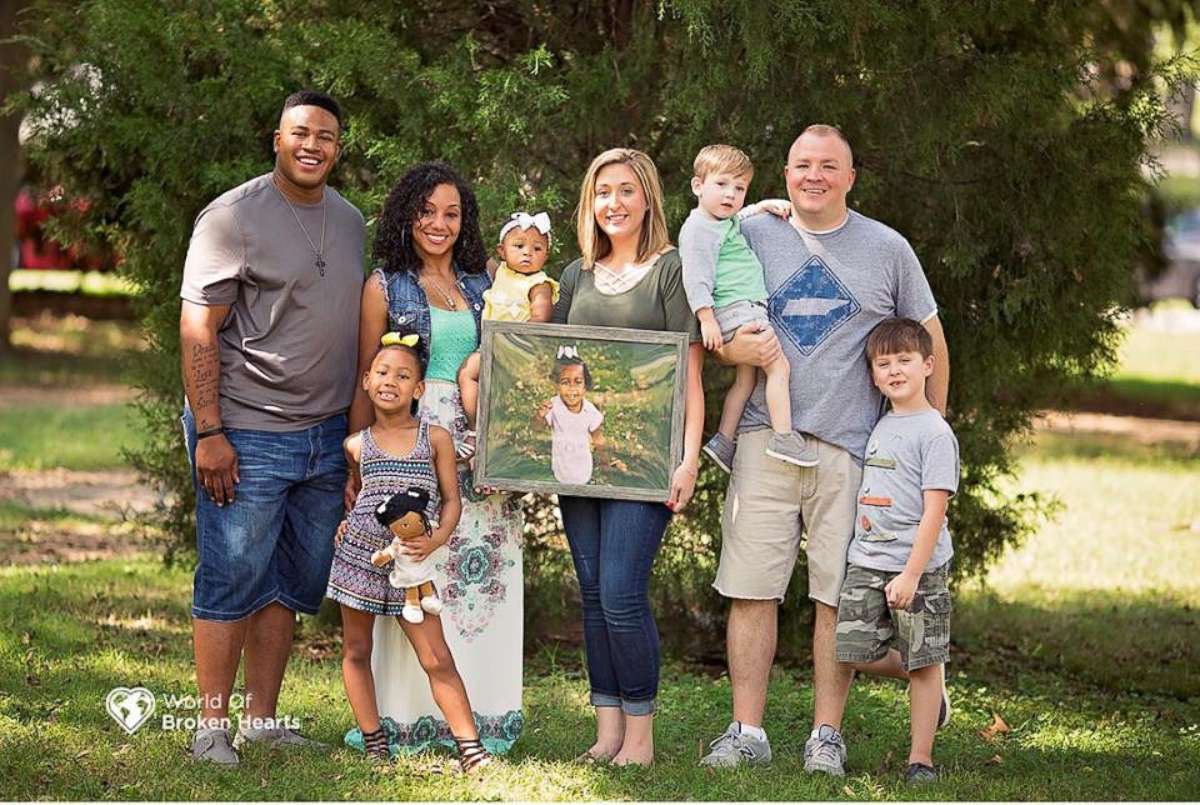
[{"x": 452, "y": 338}]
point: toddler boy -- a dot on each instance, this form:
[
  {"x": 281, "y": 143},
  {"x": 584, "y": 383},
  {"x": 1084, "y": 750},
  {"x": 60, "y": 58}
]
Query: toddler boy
[
  {"x": 726, "y": 290},
  {"x": 894, "y": 607}
]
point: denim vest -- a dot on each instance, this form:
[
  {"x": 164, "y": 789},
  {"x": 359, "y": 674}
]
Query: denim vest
[{"x": 408, "y": 307}]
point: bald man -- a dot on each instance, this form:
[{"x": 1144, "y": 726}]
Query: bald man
[{"x": 832, "y": 274}]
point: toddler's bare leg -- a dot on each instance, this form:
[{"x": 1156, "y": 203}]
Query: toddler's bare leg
[
  {"x": 925, "y": 692},
  {"x": 779, "y": 395},
  {"x": 736, "y": 399},
  {"x": 468, "y": 387}
]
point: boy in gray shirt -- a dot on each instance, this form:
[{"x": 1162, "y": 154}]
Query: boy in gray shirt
[
  {"x": 895, "y": 590},
  {"x": 725, "y": 289}
]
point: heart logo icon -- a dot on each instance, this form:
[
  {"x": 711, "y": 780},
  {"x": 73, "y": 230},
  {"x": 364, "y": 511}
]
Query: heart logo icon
[{"x": 129, "y": 707}]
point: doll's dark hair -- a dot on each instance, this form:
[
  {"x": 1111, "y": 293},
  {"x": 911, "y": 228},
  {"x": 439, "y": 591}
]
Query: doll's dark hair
[
  {"x": 394, "y": 249},
  {"x": 570, "y": 358},
  {"x": 413, "y": 499},
  {"x": 422, "y": 364}
]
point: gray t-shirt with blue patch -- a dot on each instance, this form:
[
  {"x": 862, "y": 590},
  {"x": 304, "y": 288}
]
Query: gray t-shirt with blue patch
[
  {"x": 826, "y": 293},
  {"x": 906, "y": 455}
]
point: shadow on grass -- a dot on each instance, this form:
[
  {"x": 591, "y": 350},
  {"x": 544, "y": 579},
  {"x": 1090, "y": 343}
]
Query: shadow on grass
[
  {"x": 1122, "y": 643},
  {"x": 1143, "y": 397},
  {"x": 1049, "y": 447}
]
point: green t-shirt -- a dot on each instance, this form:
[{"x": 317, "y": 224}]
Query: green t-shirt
[
  {"x": 657, "y": 302},
  {"x": 718, "y": 266}
]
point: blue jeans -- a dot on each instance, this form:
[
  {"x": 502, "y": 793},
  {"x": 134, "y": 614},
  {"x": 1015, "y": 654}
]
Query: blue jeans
[
  {"x": 274, "y": 542},
  {"x": 613, "y": 544}
]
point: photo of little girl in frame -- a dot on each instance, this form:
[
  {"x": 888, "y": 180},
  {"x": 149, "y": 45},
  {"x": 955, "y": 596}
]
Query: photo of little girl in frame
[{"x": 580, "y": 410}]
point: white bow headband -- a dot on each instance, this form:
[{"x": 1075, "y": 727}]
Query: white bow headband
[
  {"x": 566, "y": 351},
  {"x": 523, "y": 221}
]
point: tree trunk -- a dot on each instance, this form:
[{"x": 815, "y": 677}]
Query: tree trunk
[{"x": 11, "y": 60}]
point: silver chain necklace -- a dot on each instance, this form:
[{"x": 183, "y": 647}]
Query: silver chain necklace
[
  {"x": 320, "y": 253},
  {"x": 438, "y": 287}
]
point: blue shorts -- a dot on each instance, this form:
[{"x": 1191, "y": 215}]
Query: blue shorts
[{"x": 274, "y": 542}]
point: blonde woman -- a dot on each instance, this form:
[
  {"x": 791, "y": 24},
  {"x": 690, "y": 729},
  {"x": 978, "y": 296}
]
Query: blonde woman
[{"x": 629, "y": 276}]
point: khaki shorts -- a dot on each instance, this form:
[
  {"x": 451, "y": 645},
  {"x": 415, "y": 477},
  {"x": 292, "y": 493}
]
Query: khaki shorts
[{"x": 769, "y": 505}]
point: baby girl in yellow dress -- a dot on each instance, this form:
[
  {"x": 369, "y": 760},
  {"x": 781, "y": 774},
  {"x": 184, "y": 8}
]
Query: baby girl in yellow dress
[{"x": 521, "y": 291}]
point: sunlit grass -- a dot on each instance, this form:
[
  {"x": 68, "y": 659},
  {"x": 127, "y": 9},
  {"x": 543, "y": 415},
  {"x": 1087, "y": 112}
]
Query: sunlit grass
[{"x": 90, "y": 438}]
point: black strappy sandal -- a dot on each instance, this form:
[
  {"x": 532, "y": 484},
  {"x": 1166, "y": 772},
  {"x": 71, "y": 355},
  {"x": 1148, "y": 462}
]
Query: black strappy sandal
[
  {"x": 471, "y": 755},
  {"x": 375, "y": 744}
]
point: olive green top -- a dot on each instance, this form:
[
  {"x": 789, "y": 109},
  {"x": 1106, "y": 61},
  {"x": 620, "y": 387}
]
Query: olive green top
[{"x": 657, "y": 302}]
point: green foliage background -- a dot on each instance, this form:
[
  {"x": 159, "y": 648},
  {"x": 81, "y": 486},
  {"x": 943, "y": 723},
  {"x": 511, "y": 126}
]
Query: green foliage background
[{"x": 1004, "y": 138}]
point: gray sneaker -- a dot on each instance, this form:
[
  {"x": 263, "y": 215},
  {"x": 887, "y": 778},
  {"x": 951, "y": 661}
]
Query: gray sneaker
[
  {"x": 734, "y": 748},
  {"x": 212, "y": 746},
  {"x": 825, "y": 751},
  {"x": 919, "y": 774},
  {"x": 274, "y": 737},
  {"x": 792, "y": 448},
  {"x": 720, "y": 450}
]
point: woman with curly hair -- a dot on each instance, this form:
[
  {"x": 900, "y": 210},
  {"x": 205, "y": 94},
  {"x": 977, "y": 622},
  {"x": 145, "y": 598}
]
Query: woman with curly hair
[{"x": 430, "y": 275}]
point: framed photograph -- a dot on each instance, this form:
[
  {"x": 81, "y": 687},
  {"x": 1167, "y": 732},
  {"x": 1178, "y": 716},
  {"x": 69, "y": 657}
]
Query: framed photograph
[{"x": 575, "y": 410}]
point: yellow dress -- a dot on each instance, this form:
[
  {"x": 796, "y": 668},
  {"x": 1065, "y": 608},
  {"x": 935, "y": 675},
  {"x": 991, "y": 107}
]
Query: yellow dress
[{"x": 508, "y": 298}]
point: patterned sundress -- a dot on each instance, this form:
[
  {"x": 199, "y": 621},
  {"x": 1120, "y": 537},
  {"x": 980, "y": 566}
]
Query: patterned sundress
[{"x": 353, "y": 580}]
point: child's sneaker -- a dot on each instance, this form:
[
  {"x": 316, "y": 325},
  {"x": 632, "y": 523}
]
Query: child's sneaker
[
  {"x": 825, "y": 751},
  {"x": 792, "y": 448},
  {"x": 720, "y": 450},
  {"x": 919, "y": 774}
]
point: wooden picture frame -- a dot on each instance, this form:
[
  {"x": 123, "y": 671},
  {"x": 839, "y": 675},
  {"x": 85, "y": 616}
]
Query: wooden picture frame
[{"x": 633, "y": 379}]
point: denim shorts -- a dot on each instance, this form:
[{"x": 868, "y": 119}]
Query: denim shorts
[{"x": 274, "y": 542}]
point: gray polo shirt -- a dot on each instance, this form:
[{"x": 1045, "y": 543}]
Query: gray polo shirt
[
  {"x": 906, "y": 455},
  {"x": 289, "y": 346},
  {"x": 826, "y": 293}
]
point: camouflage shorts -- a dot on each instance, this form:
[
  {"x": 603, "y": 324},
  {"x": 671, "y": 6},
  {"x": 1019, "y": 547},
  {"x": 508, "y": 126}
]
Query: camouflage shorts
[{"x": 866, "y": 627}]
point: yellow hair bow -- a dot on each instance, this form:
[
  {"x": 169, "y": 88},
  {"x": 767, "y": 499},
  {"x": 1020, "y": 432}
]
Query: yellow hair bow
[{"x": 397, "y": 340}]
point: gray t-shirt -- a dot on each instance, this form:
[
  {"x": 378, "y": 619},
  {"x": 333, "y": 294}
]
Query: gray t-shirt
[
  {"x": 907, "y": 454},
  {"x": 827, "y": 292},
  {"x": 289, "y": 346}
]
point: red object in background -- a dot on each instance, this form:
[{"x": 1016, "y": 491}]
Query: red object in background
[{"x": 36, "y": 249}]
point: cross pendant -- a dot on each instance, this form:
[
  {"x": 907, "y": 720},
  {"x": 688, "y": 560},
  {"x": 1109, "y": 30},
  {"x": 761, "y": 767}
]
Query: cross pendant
[{"x": 321, "y": 266}]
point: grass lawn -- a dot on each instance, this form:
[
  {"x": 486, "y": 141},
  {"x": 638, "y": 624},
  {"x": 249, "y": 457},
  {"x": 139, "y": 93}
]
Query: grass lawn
[
  {"x": 1158, "y": 373},
  {"x": 86, "y": 438},
  {"x": 1083, "y": 643},
  {"x": 68, "y": 352}
]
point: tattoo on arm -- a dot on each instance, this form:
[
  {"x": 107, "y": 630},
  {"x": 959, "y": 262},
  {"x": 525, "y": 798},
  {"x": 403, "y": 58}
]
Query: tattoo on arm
[{"x": 201, "y": 379}]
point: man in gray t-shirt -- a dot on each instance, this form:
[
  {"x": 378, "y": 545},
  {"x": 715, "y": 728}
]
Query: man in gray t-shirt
[
  {"x": 269, "y": 340},
  {"x": 831, "y": 276}
]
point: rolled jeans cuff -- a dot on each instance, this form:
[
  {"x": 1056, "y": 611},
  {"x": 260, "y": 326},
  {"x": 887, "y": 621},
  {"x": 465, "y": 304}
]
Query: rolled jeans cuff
[
  {"x": 639, "y": 708},
  {"x": 598, "y": 699}
]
